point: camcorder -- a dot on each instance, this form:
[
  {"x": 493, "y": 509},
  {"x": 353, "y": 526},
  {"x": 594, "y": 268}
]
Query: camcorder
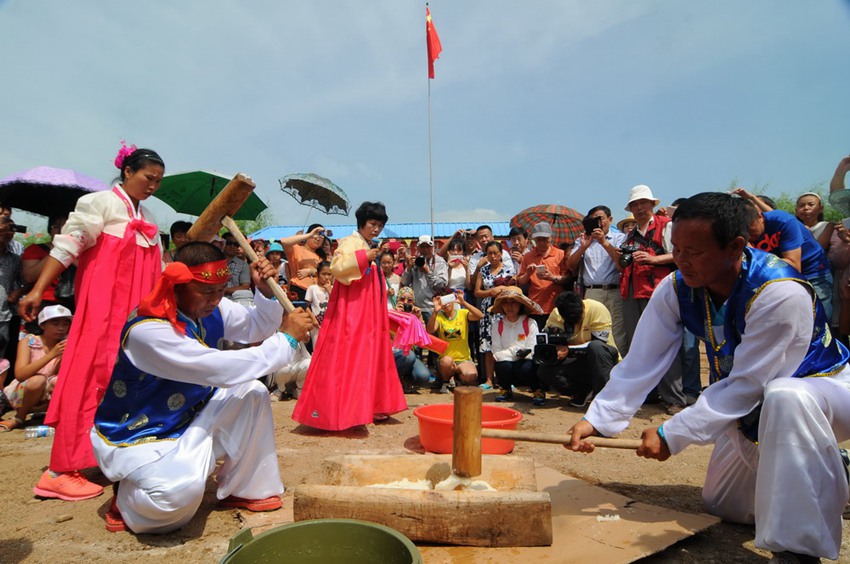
[
  {"x": 546, "y": 351},
  {"x": 627, "y": 256},
  {"x": 591, "y": 223}
]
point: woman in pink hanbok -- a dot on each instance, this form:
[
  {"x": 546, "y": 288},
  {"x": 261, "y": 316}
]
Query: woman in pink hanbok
[
  {"x": 116, "y": 245},
  {"x": 352, "y": 379}
]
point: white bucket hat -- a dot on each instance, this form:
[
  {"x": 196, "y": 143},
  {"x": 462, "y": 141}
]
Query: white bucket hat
[
  {"x": 641, "y": 192},
  {"x": 425, "y": 240}
]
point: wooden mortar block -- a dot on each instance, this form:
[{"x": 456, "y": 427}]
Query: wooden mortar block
[
  {"x": 515, "y": 515},
  {"x": 501, "y": 472}
]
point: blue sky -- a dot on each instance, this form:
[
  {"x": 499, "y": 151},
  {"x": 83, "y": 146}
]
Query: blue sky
[{"x": 569, "y": 102}]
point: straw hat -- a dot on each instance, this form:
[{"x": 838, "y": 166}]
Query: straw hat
[
  {"x": 621, "y": 224},
  {"x": 514, "y": 294}
]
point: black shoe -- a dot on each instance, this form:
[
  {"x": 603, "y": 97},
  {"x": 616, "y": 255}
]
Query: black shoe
[{"x": 581, "y": 400}]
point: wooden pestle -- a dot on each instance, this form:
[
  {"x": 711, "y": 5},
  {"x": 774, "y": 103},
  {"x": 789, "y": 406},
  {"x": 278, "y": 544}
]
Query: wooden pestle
[
  {"x": 629, "y": 444},
  {"x": 278, "y": 292},
  {"x": 466, "y": 432}
]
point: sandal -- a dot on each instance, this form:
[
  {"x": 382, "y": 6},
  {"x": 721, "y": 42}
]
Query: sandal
[{"x": 10, "y": 425}]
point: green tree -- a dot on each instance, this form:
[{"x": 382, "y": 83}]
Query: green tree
[
  {"x": 788, "y": 203},
  {"x": 265, "y": 219}
]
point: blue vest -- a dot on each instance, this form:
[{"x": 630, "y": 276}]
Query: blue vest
[
  {"x": 139, "y": 407},
  {"x": 826, "y": 356}
]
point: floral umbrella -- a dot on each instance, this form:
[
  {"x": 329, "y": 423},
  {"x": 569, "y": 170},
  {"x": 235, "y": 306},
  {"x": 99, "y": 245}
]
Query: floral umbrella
[
  {"x": 316, "y": 192},
  {"x": 565, "y": 222}
]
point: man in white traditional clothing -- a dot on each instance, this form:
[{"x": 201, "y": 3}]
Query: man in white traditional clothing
[
  {"x": 176, "y": 404},
  {"x": 779, "y": 399}
]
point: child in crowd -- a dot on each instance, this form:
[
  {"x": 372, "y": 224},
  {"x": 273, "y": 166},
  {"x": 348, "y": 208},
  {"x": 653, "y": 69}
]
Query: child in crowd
[
  {"x": 514, "y": 335},
  {"x": 451, "y": 324},
  {"x": 37, "y": 365},
  {"x": 317, "y": 296},
  {"x": 809, "y": 210},
  {"x": 275, "y": 256},
  {"x": 392, "y": 280}
]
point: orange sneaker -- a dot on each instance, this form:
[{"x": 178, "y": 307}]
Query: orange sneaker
[
  {"x": 70, "y": 486},
  {"x": 268, "y": 504}
]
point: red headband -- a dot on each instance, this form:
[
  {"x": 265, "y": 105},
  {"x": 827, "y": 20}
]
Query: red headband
[
  {"x": 210, "y": 272},
  {"x": 161, "y": 302}
]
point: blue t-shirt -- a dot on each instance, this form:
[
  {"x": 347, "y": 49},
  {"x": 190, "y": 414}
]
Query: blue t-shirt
[{"x": 783, "y": 232}]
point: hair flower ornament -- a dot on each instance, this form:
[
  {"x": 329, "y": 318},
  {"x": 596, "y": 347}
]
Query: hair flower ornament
[{"x": 123, "y": 153}]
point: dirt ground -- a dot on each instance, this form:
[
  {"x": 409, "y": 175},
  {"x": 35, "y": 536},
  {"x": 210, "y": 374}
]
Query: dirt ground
[{"x": 39, "y": 531}]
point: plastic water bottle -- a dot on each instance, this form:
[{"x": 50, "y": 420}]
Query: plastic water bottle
[{"x": 39, "y": 431}]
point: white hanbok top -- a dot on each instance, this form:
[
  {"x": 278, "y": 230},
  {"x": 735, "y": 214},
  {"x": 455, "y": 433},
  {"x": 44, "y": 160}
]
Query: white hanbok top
[
  {"x": 156, "y": 348},
  {"x": 101, "y": 212},
  {"x": 775, "y": 342}
]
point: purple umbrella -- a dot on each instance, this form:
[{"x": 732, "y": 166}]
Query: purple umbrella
[{"x": 47, "y": 191}]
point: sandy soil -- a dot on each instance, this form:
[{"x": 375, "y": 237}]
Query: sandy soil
[{"x": 38, "y": 531}]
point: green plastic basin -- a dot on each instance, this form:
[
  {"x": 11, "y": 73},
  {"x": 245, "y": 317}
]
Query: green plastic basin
[{"x": 340, "y": 541}]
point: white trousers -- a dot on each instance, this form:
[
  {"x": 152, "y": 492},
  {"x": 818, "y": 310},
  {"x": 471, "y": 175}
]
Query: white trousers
[
  {"x": 791, "y": 485},
  {"x": 295, "y": 371},
  {"x": 237, "y": 427}
]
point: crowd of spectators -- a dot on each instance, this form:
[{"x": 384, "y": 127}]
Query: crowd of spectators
[{"x": 494, "y": 300}]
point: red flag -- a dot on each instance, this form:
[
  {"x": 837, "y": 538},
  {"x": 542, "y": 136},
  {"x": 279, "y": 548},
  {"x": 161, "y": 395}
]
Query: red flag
[{"x": 433, "y": 41}]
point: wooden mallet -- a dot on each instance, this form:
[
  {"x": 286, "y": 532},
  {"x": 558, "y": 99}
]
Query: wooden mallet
[
  {"x": 467, "y": 434},
  {"x": 219, "y": 212}
]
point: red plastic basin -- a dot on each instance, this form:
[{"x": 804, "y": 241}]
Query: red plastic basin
[{"x": 435, "y": 427}]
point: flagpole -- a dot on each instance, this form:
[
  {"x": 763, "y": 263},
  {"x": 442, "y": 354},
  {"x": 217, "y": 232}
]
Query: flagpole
[
  {"x": 432, "y": 42},
  {"x": 430, "y": 169}
]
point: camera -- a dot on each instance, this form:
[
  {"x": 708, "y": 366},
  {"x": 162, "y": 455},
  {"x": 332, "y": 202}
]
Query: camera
[
  {"x": 19, "y": 228},
  {"x": 545, "y": 351},
  {"x": 627, "y": 257},
  {"x": 407, "y": 307},
  {"x": 448, "y": 299},
  {"x": 591, "y": 223},
  {"x": 419, "y": 262},
  {"x": 522, "y": 353}
]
